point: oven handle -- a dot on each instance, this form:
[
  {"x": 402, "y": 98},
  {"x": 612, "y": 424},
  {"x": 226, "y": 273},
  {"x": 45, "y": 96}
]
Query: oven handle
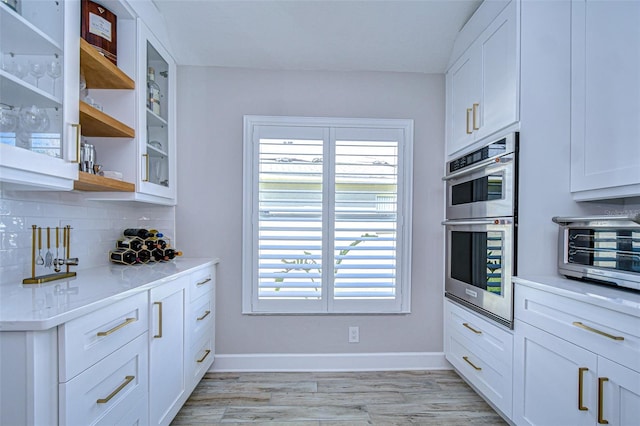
[
  {"x": 486, "y": 164},
  {"x": 477, "y": 222}
]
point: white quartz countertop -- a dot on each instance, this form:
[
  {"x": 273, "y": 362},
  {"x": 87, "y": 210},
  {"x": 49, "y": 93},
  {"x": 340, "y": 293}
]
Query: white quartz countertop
[
  {"x": 26, "y": 307},
  {"x": 610, "y": 297}
]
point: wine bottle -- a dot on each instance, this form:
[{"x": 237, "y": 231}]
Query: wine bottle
[
  {"x": 130, "y": 243},
  {"x": 137, "y": 232},
  {"x": 159, "y": 256},
  {"x": 125, "y": 256},
  {"x": 156, "y": 233},
  {"x": 151, "y": 244},
  {"x": 144, "y": 256},
  {"x": 161, "y": 244}
]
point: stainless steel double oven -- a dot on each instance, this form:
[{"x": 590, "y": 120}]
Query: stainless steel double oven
[{"x": 481, "y": 228}]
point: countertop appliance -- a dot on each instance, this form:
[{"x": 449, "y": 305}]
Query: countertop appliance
[
  {"x": 481, "y": 228},
  {"x": 602, "y": 249}
]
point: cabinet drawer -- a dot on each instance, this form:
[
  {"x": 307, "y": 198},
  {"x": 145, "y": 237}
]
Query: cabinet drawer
[
  {"x": 114, "y": 388},
  {"x": 88, "y": 339},
  {"x": 202, "y": 282},
  {"x": 201, "y": 318},
  {"x": 480, "y": 332},
  {"x": 488, "y": 374},
  {"x": 199, "y": 359},
  {"x": 612, "y": 334}
]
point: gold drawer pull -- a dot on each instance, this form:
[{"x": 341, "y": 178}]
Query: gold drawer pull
[
  {"x": 601, "y": 420},
  {"x": 581, "y": 372},
  {"x": 206, "y": 314},
  {"x": 466, "y": 358},
  {"x": 475, "y": 114},
  {"x": 159, "y": 335},
  {"x": 593, "y": 330},
  {"x": 206, "y": 354},
  {"x": 468, "y": 112},
  {"x": 117, "y": 327},
  {"x": 203, "y": 282},
  {"x": 127, "y": 380},
  {"x": 466, "y": 324}
]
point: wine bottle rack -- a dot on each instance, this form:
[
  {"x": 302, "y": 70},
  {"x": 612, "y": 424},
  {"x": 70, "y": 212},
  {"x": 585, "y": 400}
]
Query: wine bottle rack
[{"x": 135, "y": 250}]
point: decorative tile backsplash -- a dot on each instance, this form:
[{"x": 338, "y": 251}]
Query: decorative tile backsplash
[{"x": 96, "y": 226}]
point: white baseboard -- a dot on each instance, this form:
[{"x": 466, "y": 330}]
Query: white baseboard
[{"x": 385, "y": 361}]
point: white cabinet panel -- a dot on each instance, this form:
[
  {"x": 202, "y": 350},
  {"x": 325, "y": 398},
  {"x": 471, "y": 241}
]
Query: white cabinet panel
[
  {"x": 605, "y": 99},
  {"x": 620, "y": 393}
]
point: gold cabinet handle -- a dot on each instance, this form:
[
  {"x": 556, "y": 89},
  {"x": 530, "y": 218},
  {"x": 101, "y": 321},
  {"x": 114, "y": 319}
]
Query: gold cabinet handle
[
  {"x": 127, "y": 380},
  {"x": 206, "y": 314},
  {"x": 466, "y": 358},
  {"x": 159, "y": 335},
  {"x": 475, "y": 116},
  {"x": 581, "y": 372},
  {"x": 78, "y": 132},
  {"x": 203, "y": 282},
  {"x": 117, "y": 327},
  {"x": 468, "y": 111},
  {"x": 601, "y": 381},
  {"x": 466, "y": 324},
  {"x": 206, "y": 354},
  {"x": 146, "y": 157},
  {"x": 593, "y": 330}
]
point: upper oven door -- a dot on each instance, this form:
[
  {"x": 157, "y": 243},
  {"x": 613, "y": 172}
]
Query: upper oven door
[
  {"x": 487, "y": 190},
  {"x": 480, "y": 264}
]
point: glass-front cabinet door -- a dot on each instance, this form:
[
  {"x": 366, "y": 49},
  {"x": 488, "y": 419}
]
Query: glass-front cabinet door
[
  {"x": 157, "y": 127},
  {"x": 38, "y": 118}
]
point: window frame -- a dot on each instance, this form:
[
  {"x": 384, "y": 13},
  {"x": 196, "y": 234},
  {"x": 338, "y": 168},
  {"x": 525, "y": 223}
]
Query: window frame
[{"x": 327, "y": 306}]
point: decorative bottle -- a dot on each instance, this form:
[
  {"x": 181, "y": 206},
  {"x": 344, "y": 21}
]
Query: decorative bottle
[{"x": 153, "y": 92}]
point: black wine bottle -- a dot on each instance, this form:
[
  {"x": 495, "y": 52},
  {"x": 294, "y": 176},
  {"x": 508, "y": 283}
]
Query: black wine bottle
[
  {"x": 138, "y": 232},
  {"x": 125, "y": 256}
]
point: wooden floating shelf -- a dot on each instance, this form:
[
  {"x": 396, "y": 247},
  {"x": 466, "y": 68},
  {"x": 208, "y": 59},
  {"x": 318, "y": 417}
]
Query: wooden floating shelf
[
  {"x": 96, "y": 183},
  {"x": 96, "y": 123},
  {"x": 101, "y": 73}
]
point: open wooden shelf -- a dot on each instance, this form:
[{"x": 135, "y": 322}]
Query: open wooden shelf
[
  {"x": 91, "y": 182},
  {"x": 101, "y": 73},
  {"x": 96, "y": 123}
]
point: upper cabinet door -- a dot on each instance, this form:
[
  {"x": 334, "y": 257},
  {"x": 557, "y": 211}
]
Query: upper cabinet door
[
  {"x": 605, "y": 99},
  {"x": 482, "y": 85},
  {"x": 38, "y": 124},
  {"x": 157, "y": 141}
]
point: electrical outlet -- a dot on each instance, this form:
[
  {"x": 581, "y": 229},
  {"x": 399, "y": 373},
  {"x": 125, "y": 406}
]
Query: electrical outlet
[{"x": 354, "y": 334}]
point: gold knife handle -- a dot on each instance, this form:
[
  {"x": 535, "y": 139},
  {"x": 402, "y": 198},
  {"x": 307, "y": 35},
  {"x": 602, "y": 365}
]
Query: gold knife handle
[{"x": 117, "y": 327}]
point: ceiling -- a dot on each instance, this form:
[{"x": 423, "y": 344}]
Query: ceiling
[{"x": 335, "y": 35}]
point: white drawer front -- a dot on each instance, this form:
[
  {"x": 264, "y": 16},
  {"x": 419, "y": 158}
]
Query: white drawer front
[
  {"x": 88, "y": 339},
  {"x": 114, "y": 388},
  {"x": 482, "y": 369},
  {"x": 200, "y": 358},
  {"x": 611, "y": 334},
  {"x": 201, "y": 319},
  {"x": 203, "y": 281},
  {"x": 480, "y": 332}
]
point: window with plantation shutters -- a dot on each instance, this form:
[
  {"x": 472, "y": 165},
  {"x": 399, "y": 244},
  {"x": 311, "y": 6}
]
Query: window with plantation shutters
[{"x": 327, "y": 215}]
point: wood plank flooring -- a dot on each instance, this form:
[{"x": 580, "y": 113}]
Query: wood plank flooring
[{"x": 336, "y": 399}]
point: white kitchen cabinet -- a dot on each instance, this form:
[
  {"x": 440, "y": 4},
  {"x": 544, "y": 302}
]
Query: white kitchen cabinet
[
  {"x": 201, "y": 314},
  {"x": 482, "y": 85},
  {"x": 39, "y": 126},
  {"x": 157, "y": 140},
  {"x": 605, "y": 99},
  {"x": 481, "y": 352},
  {"x": 167, "y": 375},
  {"x": 580, "y": 363}
]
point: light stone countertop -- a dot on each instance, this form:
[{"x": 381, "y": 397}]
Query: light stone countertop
[
  {"x": 615, "y": 298},
  {"x": 25, "y": 307}
]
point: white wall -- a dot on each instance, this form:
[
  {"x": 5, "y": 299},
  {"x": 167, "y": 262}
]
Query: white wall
[
  {"x": 211, "y": 104},
  {"x": 96, "y": 226}
]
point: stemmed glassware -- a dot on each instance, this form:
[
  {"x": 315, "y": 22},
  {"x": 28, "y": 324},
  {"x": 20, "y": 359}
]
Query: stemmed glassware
[
  {"x": 36, "y": 69},
  {"x": 54, "y": 70}
]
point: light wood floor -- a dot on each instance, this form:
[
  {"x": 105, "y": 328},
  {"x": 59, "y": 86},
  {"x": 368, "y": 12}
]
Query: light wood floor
[{"x": 328, "y": 399}]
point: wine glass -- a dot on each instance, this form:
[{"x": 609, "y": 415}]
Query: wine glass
[
  {"x": 34, "y": 119},
  {"x": 36, "y": 69},
  {"x": 54, "y": 70}
]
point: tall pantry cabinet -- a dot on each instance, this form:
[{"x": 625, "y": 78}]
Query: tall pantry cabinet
[{"x": 112, "y": 114}]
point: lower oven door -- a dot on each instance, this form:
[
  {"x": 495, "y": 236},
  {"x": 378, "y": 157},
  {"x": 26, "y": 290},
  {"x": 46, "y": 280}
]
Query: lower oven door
[{"x": 480, "y": 264}]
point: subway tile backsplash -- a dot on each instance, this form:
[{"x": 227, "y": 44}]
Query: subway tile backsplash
[{"x": 96, "y": 226}]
